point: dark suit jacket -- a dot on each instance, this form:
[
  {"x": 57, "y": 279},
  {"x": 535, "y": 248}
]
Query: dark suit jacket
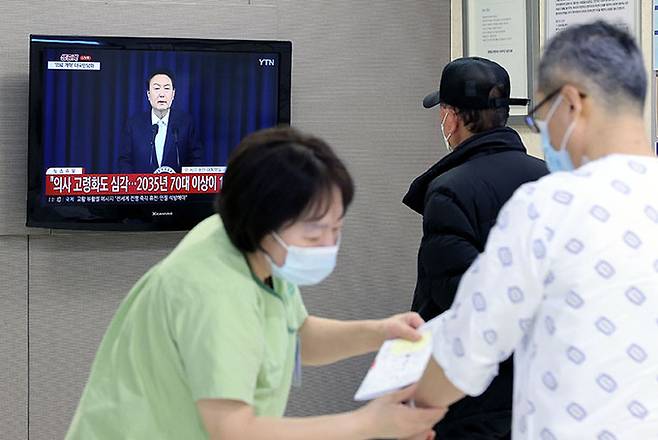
[{"x": 137, "y": 150}]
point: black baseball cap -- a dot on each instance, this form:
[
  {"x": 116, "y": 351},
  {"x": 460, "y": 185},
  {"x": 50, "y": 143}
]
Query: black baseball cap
[{"x": 466, "y": 83}]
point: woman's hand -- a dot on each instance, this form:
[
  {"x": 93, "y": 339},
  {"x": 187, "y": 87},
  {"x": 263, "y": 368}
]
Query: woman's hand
[
  {"x": 403, "y": 325},
  {"x": 389, "y": 417},
  {"x": 429, "y": 435}
]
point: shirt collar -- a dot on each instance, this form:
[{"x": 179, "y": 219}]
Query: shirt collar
[{"x": 156, "y": 120}]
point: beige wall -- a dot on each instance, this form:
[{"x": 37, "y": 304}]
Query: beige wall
[
  {"x": 646, "y": 25},
  {"x": 360, "y": 71}
]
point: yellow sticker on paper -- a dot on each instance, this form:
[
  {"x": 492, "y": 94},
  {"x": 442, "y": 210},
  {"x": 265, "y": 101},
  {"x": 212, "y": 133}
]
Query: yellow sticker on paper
[{"x": 401, "y": 347}]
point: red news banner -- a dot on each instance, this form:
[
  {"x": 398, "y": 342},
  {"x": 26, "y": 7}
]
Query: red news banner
[{"x": 132, "y": 184}]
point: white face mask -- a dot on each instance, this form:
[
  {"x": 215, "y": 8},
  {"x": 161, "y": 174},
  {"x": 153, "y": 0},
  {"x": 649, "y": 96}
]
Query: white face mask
[
  {"x": 446, "y": 139},
  {"x": 305, "y": 266}
]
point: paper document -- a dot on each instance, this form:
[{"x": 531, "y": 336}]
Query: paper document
[{"x": 398, "y": 364}]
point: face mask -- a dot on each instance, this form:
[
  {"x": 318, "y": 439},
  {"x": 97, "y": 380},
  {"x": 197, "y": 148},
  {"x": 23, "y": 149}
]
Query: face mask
[
  {"x": 446, "y": 139},
  {"x": 556, "y": 159},
  {"x": 305, "y": 266}
]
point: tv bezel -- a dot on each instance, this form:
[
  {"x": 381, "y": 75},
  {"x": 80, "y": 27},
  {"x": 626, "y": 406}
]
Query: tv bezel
[{"x": 184, "y": 215}]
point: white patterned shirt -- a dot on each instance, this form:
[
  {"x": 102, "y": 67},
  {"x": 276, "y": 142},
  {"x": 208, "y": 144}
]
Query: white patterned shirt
[{"x": 569, "y": 283}]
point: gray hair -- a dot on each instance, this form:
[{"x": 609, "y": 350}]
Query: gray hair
[{"x": 600, "y": 57}]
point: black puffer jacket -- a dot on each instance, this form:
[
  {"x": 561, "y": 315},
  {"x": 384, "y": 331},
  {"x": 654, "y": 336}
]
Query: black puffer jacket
[{"x": 459, "y": 198}]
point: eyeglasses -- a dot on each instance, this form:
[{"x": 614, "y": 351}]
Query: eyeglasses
[{"x": 530, "y": 119}]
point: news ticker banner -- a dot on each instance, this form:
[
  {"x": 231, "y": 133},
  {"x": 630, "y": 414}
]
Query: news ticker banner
[
  {"x": 74, "y": 61},
  {"x": 74, "y": 182}
]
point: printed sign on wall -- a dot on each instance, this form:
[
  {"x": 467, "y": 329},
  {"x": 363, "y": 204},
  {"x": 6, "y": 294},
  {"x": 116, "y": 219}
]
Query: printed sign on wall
[{"x": 563, "y": 13}]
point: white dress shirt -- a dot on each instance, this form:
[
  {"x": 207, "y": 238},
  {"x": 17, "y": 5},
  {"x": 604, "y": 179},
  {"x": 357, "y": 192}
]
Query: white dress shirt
[
  {"x": 569, "y": 283},
  {"x": 161, "y": 137}
]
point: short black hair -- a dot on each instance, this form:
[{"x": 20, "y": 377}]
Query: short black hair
[
  {"x": 160, "y": 72},
  {"x": 479, "y": 121},
  {"x": 275, "y": 177}
]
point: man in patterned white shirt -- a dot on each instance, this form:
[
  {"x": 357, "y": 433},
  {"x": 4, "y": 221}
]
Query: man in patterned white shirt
[{"x": 569, "y": 277}]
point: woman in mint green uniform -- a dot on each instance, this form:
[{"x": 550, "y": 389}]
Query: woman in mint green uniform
[{"x": 209, "y": 341}]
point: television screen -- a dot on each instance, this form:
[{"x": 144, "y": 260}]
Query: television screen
[{"x": 134, "y": 133}]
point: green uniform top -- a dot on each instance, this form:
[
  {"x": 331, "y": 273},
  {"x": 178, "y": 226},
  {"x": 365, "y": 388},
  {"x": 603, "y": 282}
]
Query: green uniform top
[{"x": 198, "y": 325}]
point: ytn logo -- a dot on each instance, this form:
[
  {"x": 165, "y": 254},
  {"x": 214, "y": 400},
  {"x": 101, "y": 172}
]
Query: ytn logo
[{"x": 266, "y": 61}]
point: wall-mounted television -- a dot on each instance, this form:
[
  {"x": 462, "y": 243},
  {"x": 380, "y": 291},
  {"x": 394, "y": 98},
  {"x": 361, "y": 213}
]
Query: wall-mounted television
[{"x": 134, "y": 133}]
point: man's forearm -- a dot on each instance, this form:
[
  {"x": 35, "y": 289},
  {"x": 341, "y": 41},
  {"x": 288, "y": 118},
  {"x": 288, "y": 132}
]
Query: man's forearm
[{"x": 435, "y": 389}]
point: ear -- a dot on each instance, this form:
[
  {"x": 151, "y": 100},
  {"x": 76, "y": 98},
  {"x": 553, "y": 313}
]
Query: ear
[
  {"x": 148, "y": 95},
  {"x": 453, "y": 120},
  {"x": 270, "y": 247},
  {"x": 573, "y": 99},
  {"x": 173, "y": 94}
]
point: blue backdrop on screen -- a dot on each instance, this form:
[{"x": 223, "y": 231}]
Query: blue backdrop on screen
[{"x": 228, "y": 95}]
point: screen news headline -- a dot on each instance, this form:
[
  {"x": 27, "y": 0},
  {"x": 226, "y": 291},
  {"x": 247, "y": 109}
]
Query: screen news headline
[{"x": 64, "y": 184}]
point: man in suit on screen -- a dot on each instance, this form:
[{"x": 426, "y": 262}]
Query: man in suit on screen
[{"x": 162, "y": 139}]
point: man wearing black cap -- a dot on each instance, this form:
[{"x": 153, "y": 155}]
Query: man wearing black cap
[{"x": 459, "y": 198}]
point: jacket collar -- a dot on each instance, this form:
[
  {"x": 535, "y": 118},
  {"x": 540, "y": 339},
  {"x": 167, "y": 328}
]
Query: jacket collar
[{"x": 489, "y": 142}]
